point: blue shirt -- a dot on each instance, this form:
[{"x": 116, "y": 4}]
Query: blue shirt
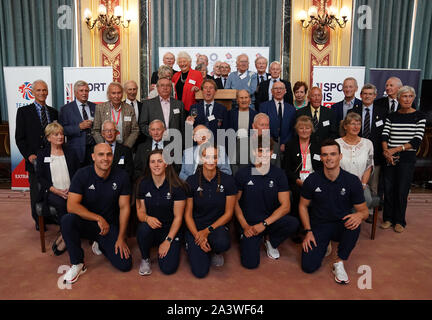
[
  {"x": 249, "y": 82},
  {"x": 39, "y": 110},
  {"x": 159, "y": 202},
  {"x": 211, "y": 206},
  {"x": 260, "y": 192},
  {"x": 331, "y": 200},
  {"x": 101, "y": 196}
]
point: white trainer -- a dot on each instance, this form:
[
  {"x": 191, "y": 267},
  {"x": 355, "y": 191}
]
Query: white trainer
[
  {"x": 272, "y": 253},
  {"x": 340, "y": 274},
  {"x": 217, "y": 260},
  {"x": 74, "y": 272},
  {"x": 145, "y": 267},
  {"x": 95, "y": 248},
  {"x": 329, "y": 249}
]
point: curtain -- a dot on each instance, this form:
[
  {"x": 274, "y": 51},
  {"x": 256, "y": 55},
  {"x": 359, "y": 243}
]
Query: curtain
[
  {"x": 422, "y": 47},
  {"x": 201, "y": 23},
  {"x": 36, "y": 33},
  {"x": 386, "y": 44}
]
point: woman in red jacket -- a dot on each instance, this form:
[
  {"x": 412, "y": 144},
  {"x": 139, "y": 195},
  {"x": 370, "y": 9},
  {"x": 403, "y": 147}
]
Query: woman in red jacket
[{"x": 187, "y": 81}]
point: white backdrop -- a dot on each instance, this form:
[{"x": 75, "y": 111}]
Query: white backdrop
[
  {"x": 98, "y": 79},
  {"x": 224, "y": 54},
  {"x": 330, "y": 80},
  {"x": 18, "y": 81}
]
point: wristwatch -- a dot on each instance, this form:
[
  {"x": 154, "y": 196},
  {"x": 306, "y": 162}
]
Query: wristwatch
[
  {"x": 169, "y": 239},
  {"x": 308, "y": 230},
  {"x": 265, "y": 224},
  {"x": 210, "y": 228}
]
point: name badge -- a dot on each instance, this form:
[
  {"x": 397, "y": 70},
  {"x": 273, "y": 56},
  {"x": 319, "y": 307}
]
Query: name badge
[
  {"x": 304, "y": 175},
  {"x": 128, "y": 118},
  {"x": 317, "y": 157},
  {"x": 274, "y": 156},
  {"x": 192, "y": 81},
  {"x": 211, "y": 118},
  {"x": 176, "y": 111},
  {"x": 47, "y": 160},
  {"x": 121, "y": 161},
  {"x": 379, "y": 123},
  {"x": 326, "y": 123},
  {"x": 243, "y": 76}
]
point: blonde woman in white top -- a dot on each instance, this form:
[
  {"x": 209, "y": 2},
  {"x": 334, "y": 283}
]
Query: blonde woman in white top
[{"x": 357, "y": 152}]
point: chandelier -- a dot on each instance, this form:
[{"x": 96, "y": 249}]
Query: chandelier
[{"x": 323, "y": 18}]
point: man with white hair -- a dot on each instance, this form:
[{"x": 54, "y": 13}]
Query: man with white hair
[
  {"x": 131, "y": 90},
  {"x": 31, "y": 121},
  {"x": 390, "y": 103},
  {"x": 76, "y": 117},
  {"x": 168, "y": 60},
  {"x": 261, "y": 66},
  {"x": 243, "y": 78},
  {"x": 349, "y": 102}
]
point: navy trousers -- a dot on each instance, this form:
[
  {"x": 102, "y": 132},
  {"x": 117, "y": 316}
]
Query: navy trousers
[
  {"x": 73, "y": 228},
  {"x": 324, "y": 233},
  {"x": 148, "y": 238},
  {"x": 277, "y": 232},
  {"x": 199, "y": 260},
  {"x": 397, "y": 184}
]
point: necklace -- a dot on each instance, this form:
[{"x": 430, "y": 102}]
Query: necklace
[{"x": 181, "y": 77}]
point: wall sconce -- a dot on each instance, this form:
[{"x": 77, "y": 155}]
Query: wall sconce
[
  {"x": 108, "y": 22},
  {"x": 323, "y": 17}
]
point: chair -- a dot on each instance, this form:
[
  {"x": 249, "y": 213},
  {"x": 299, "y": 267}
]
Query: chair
[{"x": 375, "y": 204}]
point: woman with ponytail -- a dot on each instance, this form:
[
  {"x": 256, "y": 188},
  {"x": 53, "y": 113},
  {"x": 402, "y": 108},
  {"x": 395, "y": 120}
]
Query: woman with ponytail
[
  {"x": 161, "y": 199},
  {"x": 209, "y": 207}
]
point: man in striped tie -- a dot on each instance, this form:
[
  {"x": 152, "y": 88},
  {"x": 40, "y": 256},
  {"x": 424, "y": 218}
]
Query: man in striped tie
[{"x": 31, "y": 121}]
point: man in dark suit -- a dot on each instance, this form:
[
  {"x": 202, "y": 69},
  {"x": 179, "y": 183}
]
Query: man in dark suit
[
  {"x": 165, "y": 108},
  {"x": 225, "y": 70},
  {"x": 168, "y": 60},
  {"x": 323, "y": 118},
  {"x": 282, "y": 115},
  {"x": 156, "y": 132},
  {"x": 208, "y": 112},
  {"x": 122, "y": 155},
  {"x": 131, "y": 90},
  {"x": 341, "y": 108},
  {"x": 390, "y": 103},
  {"x": 31, "y": 121},
  {"x": 264, "y": 94},
  {"x": 77, "y": 120},
  {"x": 261, "y": 67},
  {"x": 373, "y": 120}
]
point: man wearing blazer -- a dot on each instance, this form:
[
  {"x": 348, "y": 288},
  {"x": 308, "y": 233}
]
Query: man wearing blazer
[
  {"x": 76, "y": 118},
  {"x": 261, "y": 67},
  {"x": 390, "y": 103},
  {"x": 341, "y": 108},
  {"x": 163, "y": 107},
  {"x": 323, "y": 118},
  {"x": 131, "y": 90},
  {"x": 373, "y": 130},
  {"x": 31, "y": 121},
  {"x": 121, "y": 113},
  {"x": 225, "y": 70},
  {"x": 209, "y": 113},
  {"x": 282, "y": 116},
  {"x": 122, "y": 156},
  {"x": 264, "y": 94}
]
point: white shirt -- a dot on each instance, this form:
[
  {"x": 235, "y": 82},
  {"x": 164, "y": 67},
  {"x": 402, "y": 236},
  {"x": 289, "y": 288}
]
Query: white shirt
[
  {"x": 390, "y": 104},
  {"x": 87, "y": 109},
  {"x": 59, "y": 172},
  {"x": 159, "y": 143},
  {"x": 210, "y": 108},
  {"x": 356, "y": 159},
  {"x": 134, "y": 104},
  {"x": 272, "y": 81},
  {"x": 277, "y": 106}
]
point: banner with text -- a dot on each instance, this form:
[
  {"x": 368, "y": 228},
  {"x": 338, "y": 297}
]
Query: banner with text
[
  {"x": 330, "y": 80},
  {"x": 223, "y": 54},
  {"x": 98, "y": 79},
  {"x": 18, "y": 81}
]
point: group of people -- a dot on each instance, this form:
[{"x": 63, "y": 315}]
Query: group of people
[{"x": 99, "y": 164}]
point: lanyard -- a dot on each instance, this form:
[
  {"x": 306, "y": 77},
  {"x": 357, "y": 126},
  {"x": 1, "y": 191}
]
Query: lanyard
[
  {"x": 113, "y": 115},
  {"x": 304, "y": 154}
]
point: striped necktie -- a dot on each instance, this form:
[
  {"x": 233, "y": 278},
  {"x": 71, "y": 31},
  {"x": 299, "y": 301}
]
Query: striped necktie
[
  {"x": 44, "y": 119},
  {"x": 366, "y": 126}
]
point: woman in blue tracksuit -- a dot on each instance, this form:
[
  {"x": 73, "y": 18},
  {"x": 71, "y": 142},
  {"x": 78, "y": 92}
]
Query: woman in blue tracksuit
[
  {"x": 209, "y": 207},
  {"x": 161, "y": 199}
]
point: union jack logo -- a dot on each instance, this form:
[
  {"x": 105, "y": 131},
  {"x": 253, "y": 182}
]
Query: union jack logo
[
  {"x": 69, "y": 92},
  {"x": 26, "y": 90}
]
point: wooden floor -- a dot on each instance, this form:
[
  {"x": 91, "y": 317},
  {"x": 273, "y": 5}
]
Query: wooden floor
[{"x": 400, "y": 266}]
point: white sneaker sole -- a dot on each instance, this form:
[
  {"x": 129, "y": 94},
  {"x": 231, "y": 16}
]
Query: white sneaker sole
[
  {"x": 83, "y": 270},
  {"x": 144, "y": 273},
  {"x": 340, "y": 281}
]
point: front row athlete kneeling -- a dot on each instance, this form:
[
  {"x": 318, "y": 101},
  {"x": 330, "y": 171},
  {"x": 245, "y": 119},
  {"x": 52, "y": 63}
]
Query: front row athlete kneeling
[
  {"x": 331, "y": 195},
  {"x": 263, "y": 205},
  {"x": 161, "y": 199},
  {"x": 209, "y": 207},
  {"x": 99, "y": 208}
]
